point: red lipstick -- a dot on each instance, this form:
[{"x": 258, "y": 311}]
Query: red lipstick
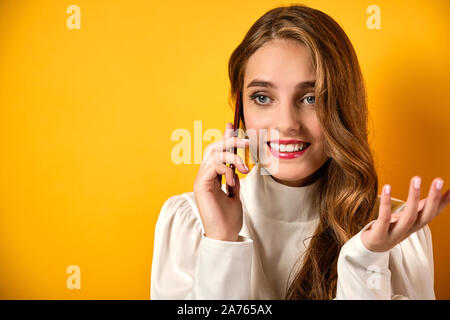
[{"x": 291, "y": 154}]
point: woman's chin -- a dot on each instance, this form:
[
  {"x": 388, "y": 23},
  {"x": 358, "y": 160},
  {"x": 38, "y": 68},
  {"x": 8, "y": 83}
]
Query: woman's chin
[{"x": 285, "y": 172}]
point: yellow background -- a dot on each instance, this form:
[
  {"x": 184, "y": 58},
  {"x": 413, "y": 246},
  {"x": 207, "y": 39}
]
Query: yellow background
[{"x": 86, "y": 118}]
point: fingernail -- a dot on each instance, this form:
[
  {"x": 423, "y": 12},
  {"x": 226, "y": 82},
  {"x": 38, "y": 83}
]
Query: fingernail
[
  {"x": 417, "y": 183},
  {"x": 234, "y": 180},
  {"x": 439, "y": 184},
  {"x": 387, "y": 189},
  {"x": 246, "y": 168},
  {"x": 246, "y": 140}
]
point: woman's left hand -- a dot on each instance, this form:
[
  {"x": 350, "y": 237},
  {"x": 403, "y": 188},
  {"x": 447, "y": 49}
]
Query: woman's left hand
[{"x": 391, "y": 228}]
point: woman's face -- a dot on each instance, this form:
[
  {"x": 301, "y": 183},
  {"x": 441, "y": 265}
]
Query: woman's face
[{"x": 278, "y": 97}]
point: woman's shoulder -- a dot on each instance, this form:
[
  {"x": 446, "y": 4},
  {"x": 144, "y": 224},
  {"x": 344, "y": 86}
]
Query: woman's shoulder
[{"x": 180, "y": 211}]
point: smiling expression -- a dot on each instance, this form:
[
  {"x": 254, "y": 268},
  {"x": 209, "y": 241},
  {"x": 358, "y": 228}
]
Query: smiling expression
[{"x": 279, "y": 98}]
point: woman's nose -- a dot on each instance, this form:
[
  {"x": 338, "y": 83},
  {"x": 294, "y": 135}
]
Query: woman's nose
[{"x": 287, "y": 119}]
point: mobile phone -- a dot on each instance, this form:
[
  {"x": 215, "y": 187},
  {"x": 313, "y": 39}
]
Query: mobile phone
[{"x": 237, "y": 116}]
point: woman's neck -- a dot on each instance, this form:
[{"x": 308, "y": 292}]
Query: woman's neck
[{"x": 304, "y": 181}]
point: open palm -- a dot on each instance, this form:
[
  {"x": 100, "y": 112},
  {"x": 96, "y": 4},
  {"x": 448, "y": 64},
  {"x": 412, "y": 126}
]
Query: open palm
[{"x": 391, "y": 228}]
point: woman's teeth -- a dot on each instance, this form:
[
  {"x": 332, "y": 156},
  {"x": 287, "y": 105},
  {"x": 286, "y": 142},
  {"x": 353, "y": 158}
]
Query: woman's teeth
[{"x": 288, "y": 147}]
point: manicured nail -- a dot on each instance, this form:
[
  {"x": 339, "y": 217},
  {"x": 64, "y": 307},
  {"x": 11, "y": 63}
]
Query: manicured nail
[
  {"x": 439, "y": 184},
  {"x": 387, "y": 189},
  {"x": 246, "y": 168},
  {"x": 234, "y": 180},
  {"x": 417, "y": 183}
]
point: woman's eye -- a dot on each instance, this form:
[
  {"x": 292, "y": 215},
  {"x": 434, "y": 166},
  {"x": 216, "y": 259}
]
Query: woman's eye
[
  {"x": 256, "y": 98},
  {"x": 310, "y": 99},
  {"x": 261, "y": 99}
]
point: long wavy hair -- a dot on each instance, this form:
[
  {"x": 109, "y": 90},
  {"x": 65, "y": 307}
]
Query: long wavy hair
[{"x": 348, "y": 191}]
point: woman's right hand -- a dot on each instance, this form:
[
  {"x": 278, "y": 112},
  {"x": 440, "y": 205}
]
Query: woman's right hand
[{"x": 221, "y": 215}]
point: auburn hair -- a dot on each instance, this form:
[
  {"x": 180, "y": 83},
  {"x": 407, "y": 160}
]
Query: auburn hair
[{"x": 348, "y": 191}]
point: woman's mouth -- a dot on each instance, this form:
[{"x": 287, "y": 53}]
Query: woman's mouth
[{"x": 288, "y": 149}]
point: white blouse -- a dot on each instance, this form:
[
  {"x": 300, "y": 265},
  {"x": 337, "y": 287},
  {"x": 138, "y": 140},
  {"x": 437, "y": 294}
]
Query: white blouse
[{"x": 278, "y": 223}]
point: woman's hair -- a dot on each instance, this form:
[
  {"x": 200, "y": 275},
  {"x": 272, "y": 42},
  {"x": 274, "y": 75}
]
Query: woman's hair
[{"x": 348, "y": 191}]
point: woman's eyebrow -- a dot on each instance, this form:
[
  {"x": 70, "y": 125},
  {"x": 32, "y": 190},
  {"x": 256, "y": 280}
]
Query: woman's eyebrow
[{"x": 268, "y": 84}]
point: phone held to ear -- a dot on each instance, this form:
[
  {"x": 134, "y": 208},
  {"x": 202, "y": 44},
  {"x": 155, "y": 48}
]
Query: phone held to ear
[{"x": 237, "y": 117}]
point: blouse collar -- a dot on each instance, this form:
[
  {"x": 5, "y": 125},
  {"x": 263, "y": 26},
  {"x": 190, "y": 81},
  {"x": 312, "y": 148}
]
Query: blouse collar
[{"x": 277, "y": 201}]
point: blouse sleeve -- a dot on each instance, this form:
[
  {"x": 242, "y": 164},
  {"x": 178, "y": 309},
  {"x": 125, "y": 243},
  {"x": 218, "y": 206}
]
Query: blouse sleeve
[
  {"x": 188, "y": 265},
  {"x": 404, "y": 272}
]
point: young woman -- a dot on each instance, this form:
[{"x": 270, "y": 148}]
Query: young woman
[{"x": 314, "y": 228}]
